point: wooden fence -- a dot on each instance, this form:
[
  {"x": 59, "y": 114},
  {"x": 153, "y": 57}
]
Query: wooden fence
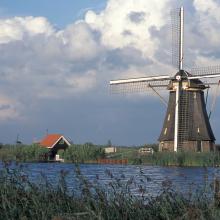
[{"x": 112, "y": 161}]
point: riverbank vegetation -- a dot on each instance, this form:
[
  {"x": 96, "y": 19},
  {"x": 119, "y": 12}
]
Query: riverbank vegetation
[
  {"x": 34, "y": 153},
  {"x": 22, "y": 199},
  {"x": 210, "y": 159},
  {"x": 168, "y": 158},
  {"x": 87, "y": 152},
  {"x": 90, "y": 153},
  {"x": 22, "y": 153}
]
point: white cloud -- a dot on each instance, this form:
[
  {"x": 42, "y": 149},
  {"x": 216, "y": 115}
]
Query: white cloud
[
  {"x": 126, "y": 39},
  {"x": 82, "y": 83},
  {"x": 79, "y": 42},
  {"x": 209, "y": 7},
  {"x": 119, "y": 30},
  {"x": 19, "y": 28},
  {"x": 8, "y": 108},
  {"x": 208, "y": 21}
]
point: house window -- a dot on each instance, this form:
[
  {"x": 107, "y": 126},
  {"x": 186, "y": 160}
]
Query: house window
[{"x": 61, "y": 141}]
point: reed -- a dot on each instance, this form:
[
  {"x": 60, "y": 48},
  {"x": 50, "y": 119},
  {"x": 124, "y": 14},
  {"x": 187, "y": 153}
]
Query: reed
[
  {"x": 33, "y": 153},
  {"x": 179, "y": 159},
  {"x": 91, "y": 153},
  {"x": 22, "y": 199},
  {"x": 83, "y": 153},
  {"x": 22, "y": 153}
]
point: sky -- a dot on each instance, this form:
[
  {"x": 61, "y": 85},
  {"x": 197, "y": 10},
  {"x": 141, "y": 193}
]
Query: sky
[{"x": 57, "y": 58}]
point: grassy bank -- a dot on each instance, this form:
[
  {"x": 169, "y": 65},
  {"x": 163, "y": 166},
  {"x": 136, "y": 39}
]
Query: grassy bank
[
  {"x": 168, "y": 158},
  {"x": 34, "y": 153},
  {"x": 179, "y": 159},
  {"x": 82, "y": 153},
  {"x": 22, "y": 199},
  {"x": 91, "y": 153},
  {"x": 22, "y": 153}
]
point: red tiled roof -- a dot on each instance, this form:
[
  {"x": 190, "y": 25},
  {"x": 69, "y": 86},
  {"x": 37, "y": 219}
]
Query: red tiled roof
[{"x": 50, "y": 140}]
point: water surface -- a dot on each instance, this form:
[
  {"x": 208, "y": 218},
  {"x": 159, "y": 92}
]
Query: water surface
[{"x": 152, "y": 177}]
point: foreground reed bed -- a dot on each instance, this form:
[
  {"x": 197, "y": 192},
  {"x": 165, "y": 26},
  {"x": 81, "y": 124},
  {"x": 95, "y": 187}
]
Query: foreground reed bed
[{"x": 20, "y": 198}]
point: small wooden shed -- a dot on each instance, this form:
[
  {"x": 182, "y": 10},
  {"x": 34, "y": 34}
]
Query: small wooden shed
[{"x": 54, "y": 142}]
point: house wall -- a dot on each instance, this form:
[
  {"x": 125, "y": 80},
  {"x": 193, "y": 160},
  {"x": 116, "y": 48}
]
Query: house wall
[
  {"x": 56, "y": 148},
  {"x": 145, "y": 150},
  {"x": 109, "y": 150}
]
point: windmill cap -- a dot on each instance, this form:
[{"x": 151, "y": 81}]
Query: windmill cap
[{"x": 183, "y": 75}]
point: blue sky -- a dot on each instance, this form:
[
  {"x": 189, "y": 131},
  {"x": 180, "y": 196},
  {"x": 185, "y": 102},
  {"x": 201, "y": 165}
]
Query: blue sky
[
  {"x": 57, "y": 58},
  {"x": 60, "y": 13}
]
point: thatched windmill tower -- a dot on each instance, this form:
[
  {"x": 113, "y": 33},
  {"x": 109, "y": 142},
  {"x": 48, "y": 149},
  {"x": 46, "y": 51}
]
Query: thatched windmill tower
[{"x": 186, "y": 124}]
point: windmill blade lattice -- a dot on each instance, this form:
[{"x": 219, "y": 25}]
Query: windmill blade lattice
[
  {"x": 205, "y": 71},
  {"x": 175, "y": 22},
  {"x": 207, "y": 75},
  {"x": 134, "y": 87}
]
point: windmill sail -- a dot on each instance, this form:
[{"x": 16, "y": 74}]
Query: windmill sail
[
  {"x": 209, "y": 70},
  {"x": 139, "y": 84},
  {"x": 175, "y": 22},
  {"x": 141, "y": 79}
]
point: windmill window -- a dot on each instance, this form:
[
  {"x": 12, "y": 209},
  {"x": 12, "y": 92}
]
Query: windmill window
[
  {"x": 168, "y": 118},
  {"x": 165, "y": 131},
  {"x": 199, "y": 146},
  {"x": 198, "y": 130},
  {"x": 194, "y": 95}
]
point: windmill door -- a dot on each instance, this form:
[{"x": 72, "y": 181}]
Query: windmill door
[{"x": 199, "y": 146}]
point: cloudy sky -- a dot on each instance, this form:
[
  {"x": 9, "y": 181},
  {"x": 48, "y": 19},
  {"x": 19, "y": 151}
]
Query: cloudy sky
[{"x": 57, "y": 57}]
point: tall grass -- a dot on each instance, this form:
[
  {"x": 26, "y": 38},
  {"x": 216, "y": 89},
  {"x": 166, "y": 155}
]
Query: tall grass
[
  {"x": 33, "y": 153},
  {"x": 168, "y": 158},
  {"x": 179, "y": 159},
  {"x": 83, "y": 153},
  {"x": 22, "y": 199},
  {"x": 22, "y": 153},
  {"x": 90, "y": 153}
]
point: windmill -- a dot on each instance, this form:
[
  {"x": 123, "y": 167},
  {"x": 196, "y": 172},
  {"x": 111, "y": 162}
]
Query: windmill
[{"x": 186, "y": 125}]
